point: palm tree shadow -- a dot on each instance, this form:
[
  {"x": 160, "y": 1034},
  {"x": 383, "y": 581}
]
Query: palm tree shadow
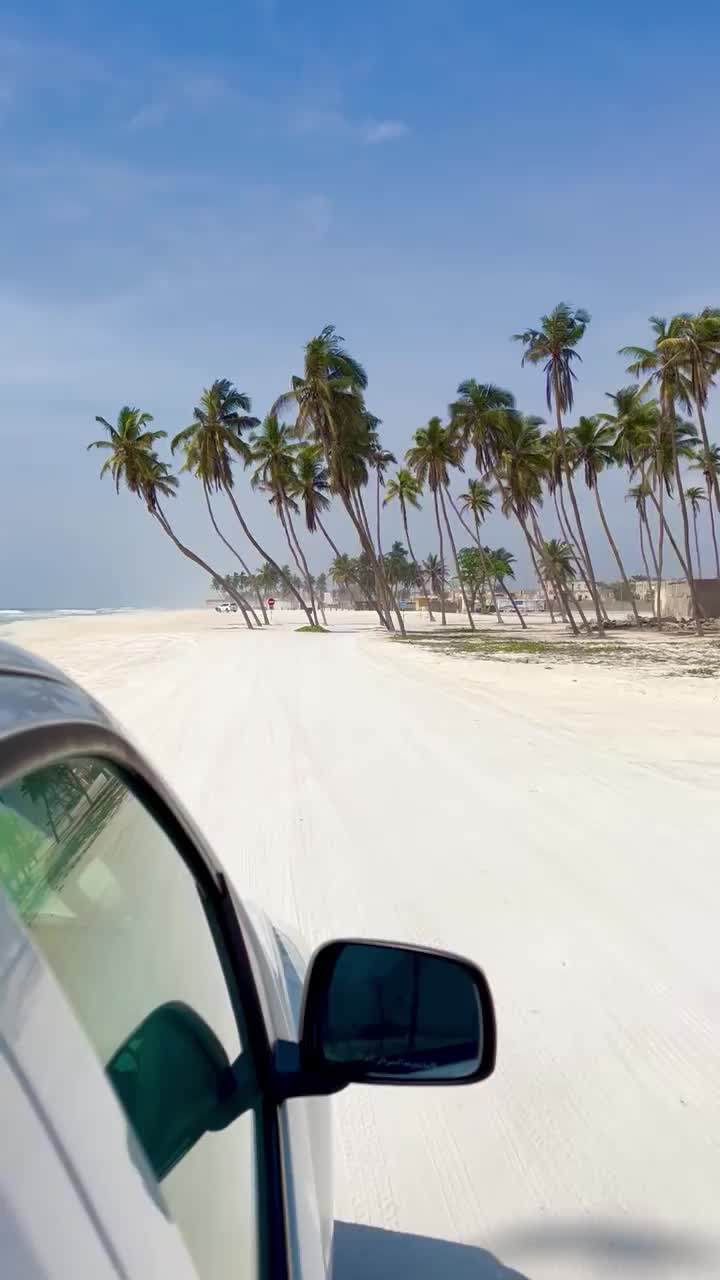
[{"x": 362, "y": 1251}]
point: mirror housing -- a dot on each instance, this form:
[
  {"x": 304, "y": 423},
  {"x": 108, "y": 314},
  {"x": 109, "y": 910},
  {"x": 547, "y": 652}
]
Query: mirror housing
[{"x": 389, "y": 1013}]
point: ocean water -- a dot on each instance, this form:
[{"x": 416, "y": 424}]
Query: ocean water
[{"x": 32, "y": 615}]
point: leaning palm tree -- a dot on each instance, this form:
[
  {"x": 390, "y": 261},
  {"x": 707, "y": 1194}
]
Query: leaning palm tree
[
  {"x": 520, "y": 471},
  {"x": 708, "y": 461},
  {"x": 693, "y": 346},
  {"x": 328, "y": 402},
  {"x": 556, "y": 558},
  {"x": 660, "y": 367},
  {"x": 216, "y": 436},
  {"x": 553, "y": 346},
  {"x": 407, "y": 490},
  {"x": 638, "y": 494},
  {"x": 311, "y": 488},
  {"x": 695, "y": 496},
  {"x": 435, "y": 450},
  {"x": 133, "y": 462},
  {"x": 594, "y": 444},
  {"x": 194, "y": 463},
  {"x": 273, "y": 451}
]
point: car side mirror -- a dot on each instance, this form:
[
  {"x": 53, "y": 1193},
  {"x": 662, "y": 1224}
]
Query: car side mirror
[
  {"x": 386, "y": 1013},
  {"x": 175, "y": 1083}
]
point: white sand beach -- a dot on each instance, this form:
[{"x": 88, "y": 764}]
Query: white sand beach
[{"x": 555, "y": 822}]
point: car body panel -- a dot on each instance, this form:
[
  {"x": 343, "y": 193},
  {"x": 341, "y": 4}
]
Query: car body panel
[
  {"x": 74, "y": 1103},
  {"x": 43, "y": 717}
]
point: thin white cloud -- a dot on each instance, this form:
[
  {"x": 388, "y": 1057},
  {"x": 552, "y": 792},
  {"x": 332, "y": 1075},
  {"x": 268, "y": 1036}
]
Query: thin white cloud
[
  {"x": 333, "y": 124},
  {"x": 385, "y": 131},
  {"x": 149, "y": 117}
]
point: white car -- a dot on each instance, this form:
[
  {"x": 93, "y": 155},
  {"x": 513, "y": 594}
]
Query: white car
[
  {"x": 165, "y": 1059},
  {"x": 227, "y": 606}
]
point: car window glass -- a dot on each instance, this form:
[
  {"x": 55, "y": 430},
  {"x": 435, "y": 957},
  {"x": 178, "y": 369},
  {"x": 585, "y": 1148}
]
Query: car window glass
[{"x": 123, "y": 924}]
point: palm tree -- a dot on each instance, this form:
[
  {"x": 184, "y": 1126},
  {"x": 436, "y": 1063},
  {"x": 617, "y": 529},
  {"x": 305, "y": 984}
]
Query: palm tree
[
  {"x": 661, "y": 365},
  {"x": 328, "y": 398},
  {"x": 553, "y": 346},
  {"x": 695, "y": 496},
  {"x": 216, "y": 436},
  {"x": 273, "y": 451},
  {"x": 708, "y": 461},
  {"x": 434, "y": 570},
  {"x": 639, "y": 494},
  {"x": 133, "y": 462},
  {"x": 500, "y": 564},
  {"x": 436, "y": 449},
  {"x": 194, "y": 463},
  {"x": 556, "y": 558},
  {"x": 311, "y": 487},
  {"x": 594, "y": 444},
  {"x": 380, "y": 460},
  {"x": 407, "y": 490},
  {"x": 521, "y": 468},
  {"x": 693, "y": 346},
  {"x": 479, "y": 502},
  {"x": 478, "y": 416}
]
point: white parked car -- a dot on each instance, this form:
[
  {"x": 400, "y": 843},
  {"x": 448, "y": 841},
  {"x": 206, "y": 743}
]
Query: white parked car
[
  {"x": 166, "y": 1055},
  {"x": 226, "y": 606}
]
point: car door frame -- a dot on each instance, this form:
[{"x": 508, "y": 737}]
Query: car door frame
[{"x": 38, "y": 731}]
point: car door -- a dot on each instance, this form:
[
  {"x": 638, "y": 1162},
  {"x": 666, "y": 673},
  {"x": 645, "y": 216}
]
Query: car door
[{"x": 132, "y": 929}]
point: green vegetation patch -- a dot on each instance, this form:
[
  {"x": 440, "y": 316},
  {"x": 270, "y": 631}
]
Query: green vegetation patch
[
  {"x": 315, "y": 630},
  {"x": 505, "y": 646}
]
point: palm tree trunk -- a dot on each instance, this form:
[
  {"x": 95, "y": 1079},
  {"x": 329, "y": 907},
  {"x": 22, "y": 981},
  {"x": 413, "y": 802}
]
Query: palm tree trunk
[
  {"x": 327, "y": 537},
  {"x": 685, "y": 521},
  {"x": 706, "y": 442},
  {"x": 158, "y": 513},
  {"x": 463, "y": 592},
  {"x": 536, "y": 567},
  {"x": 237, "y": 555},
  {"x": 297, "y": 555},
  {"x": 697, "y": 545},
  {"x": 564, "y": 591},
  {"x": 489, "y": 577},
  {"x": 661, "y": 545},
  {"x": 513, "y": 602},
  {"x": 563, "y": 597},
  {"x": 671, "y": 538},
  {"x": 306, "y": 568},
  {"x": 442, "y": 561},
  {"x": 712, "y": 526},
  {"x": 268, "y": 558},
  {"x": 421, "y": 576},
  {"x": 592, "y": 584},
  {"x": 645, "y": 564},
  {"x": 615, "y": 551},
  {"x": 383, "y": 587},
  {"x": 573, "y": 543},
  {"x": 481, "y": 549}
]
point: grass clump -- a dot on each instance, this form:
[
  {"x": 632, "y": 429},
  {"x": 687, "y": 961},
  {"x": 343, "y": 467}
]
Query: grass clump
[{"x": 315, "y": 630}]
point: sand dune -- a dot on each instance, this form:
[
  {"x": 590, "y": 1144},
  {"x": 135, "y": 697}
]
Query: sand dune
[{"x": 558, "y": 826}]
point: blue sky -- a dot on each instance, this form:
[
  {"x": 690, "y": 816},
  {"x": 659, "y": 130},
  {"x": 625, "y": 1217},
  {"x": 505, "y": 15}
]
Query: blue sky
[{"x": 190, "y": 192}]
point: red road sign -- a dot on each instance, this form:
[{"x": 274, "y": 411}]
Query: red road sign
[{"x": 271, "y": 602}]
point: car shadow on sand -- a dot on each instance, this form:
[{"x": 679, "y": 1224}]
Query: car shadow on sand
[
  {"x": 362, "y": 1252},
  {"x": 591, "y": 1247}
]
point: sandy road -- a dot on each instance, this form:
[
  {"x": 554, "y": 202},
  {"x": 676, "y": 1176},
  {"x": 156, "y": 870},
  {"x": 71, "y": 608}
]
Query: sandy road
[{"x": 559, "y": 827}]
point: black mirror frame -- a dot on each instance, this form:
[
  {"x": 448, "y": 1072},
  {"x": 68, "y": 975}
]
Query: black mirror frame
[{"x": 321, "y": 965}]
